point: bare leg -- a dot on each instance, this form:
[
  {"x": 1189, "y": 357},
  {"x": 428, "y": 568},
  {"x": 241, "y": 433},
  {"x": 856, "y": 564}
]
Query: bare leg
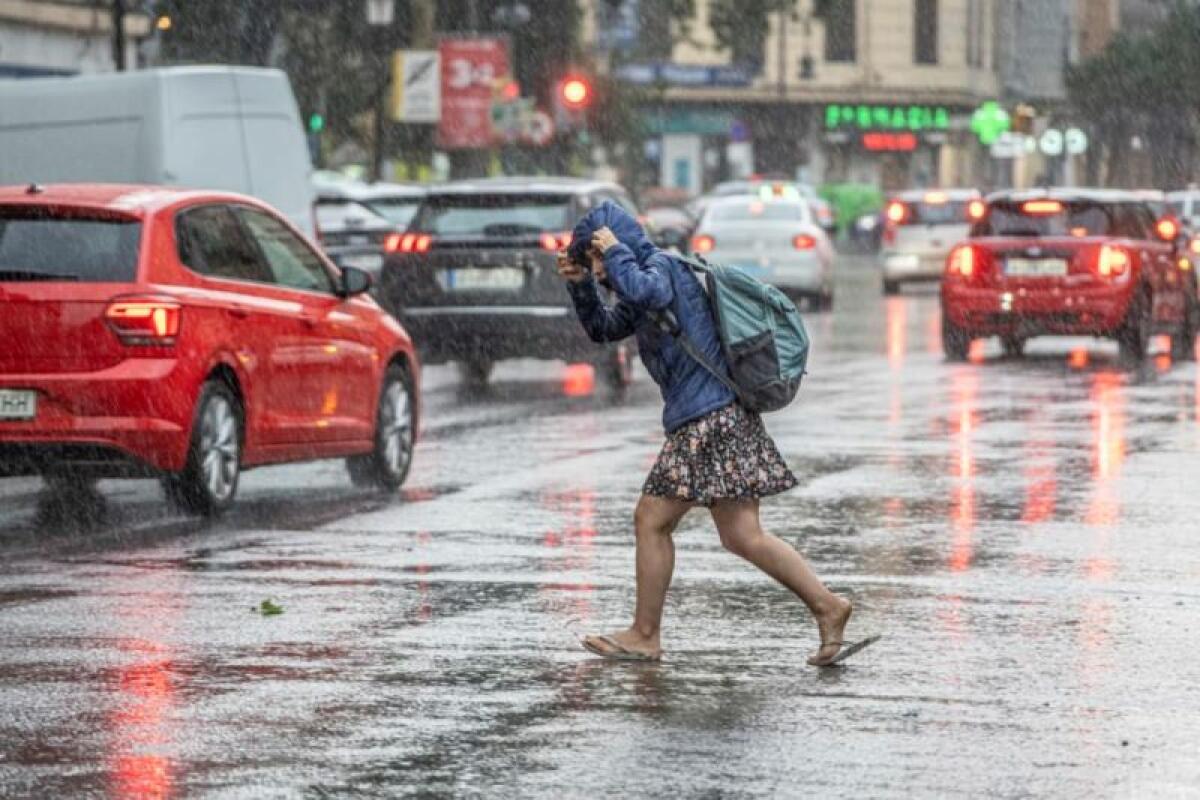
[
  {"x": 742, "y": 534},
  {"x": 654, "y": 522}
]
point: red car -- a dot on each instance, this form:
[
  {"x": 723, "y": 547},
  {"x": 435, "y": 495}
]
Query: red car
[
  {"x": 189, "y": 335},
  {"x": 1069, "y": 262}
]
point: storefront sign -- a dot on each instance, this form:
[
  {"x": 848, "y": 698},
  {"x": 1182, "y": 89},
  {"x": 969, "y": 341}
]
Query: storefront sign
[
  {"x": 886, "y": 117},
  {"x": 990, "y": 122},
  {"x": 672, "y": 74},
  {"x": 470, "y": 69},
  {"x": 879, "y": 142}
]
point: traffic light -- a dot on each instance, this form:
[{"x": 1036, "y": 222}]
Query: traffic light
[
  {"x": 316, "y": 123},
  {"x": 575, "y": 93}
]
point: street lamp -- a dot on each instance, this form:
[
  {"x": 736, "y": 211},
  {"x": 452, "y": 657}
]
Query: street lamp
[{"x": 380, "y": 14}]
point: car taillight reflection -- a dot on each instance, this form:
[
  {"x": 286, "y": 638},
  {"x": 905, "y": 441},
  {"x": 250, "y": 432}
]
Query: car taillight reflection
[
  {"x": 703, "y": 243},
  {"x": 1112, "y": 262},
  {"x": 802, "y": 241},
  {"x": 961, "y": 261},
  {"x": 553, "y": 242},
  {"x": 149, "y": 321},
  {"x": 408, "y": 243}
]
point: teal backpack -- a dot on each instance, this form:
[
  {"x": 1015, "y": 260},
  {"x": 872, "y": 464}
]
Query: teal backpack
[{"x": 762, "y": 335}]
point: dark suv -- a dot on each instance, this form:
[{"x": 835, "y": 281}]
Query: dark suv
[{"x": 474, "y": 278}]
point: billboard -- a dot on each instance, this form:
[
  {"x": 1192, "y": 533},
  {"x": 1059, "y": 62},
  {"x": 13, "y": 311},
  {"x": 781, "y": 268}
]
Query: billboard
[
  {"x": 470, "y": 70},
  {"x": 416, "y": 86}
]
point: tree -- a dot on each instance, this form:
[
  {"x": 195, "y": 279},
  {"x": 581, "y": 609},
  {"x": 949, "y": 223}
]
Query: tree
[{"x": 741, "y": 26}]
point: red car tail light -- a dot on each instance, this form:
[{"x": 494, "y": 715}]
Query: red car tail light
[
  {"x": 802, "y": 241},
  {"x": 1167, "y": 229},
  {"x": 976, "y": 210},
  {"x": 144, "y": 321},
  {"x": 897, "y": 212},
  {"x": 1112, "y": 261},
  {"x": 408, "y": 243},
  {"x": 703, "y": 243},
  {"x": 553, "y": 242},
  {"x": 1194, "y": 245},
  {"x": 961, "y": 261}
]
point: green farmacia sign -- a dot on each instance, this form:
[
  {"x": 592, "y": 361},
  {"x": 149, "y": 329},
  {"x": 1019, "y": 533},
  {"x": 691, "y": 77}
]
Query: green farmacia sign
[{"x": 896, "y": 118}]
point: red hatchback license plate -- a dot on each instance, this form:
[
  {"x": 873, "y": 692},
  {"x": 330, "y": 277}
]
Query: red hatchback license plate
[
  {"x": 1035, "y": 267},
  {"x": 20, "y": 404}
]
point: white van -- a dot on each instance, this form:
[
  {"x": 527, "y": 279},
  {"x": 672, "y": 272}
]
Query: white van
[{"x": 229, "y": 128}]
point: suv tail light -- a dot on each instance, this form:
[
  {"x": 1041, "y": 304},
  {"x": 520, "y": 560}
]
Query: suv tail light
[
  {"x": 897, "y": 213},
  {"x": 802, "y": 241},
  {"x": 962, "y": 262},
  {"x": 1167, "y": 229},
  {"x": 976, "y": 210},
  {"x": 553, "y": 242},
  {"x": 408, "y": 243},
  {"x": 703, "y": 243},
  {"x": 1112, "y": 261},
  {"x": 147, "y": 321}
]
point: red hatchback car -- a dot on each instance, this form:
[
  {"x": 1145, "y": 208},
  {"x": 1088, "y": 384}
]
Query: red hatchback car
[
  {"x": 1069, "y": 262},
  {"x": 189, "y": 335}
]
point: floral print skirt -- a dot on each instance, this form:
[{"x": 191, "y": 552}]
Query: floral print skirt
[{"x": 726, "y": 454}]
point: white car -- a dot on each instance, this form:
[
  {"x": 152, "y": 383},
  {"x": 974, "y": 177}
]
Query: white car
[
  {"x": 920, "y": 230},
  {"x": 775, "y": 240}
]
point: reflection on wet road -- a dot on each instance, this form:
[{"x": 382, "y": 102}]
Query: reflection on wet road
[{"x": 1022, "y": 532}]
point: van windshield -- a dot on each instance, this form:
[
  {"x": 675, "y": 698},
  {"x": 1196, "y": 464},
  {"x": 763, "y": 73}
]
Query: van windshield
[{"x": 36, "y": 245}]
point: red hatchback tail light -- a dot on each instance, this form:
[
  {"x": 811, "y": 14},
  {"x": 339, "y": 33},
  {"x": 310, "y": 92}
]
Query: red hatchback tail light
[
  {"x": 408, "y": 243},
  {"x": 962, "y": 262},
  {"x": 1112, "y": 262},
  {"x": 802, "y": 241},
  {"x": 144, "y": 322}
]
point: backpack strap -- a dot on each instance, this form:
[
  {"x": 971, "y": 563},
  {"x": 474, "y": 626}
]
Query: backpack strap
[{"x": 666, "y": 322}]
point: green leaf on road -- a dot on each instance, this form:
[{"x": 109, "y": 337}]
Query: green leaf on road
[{"x": 268, "y": 608}]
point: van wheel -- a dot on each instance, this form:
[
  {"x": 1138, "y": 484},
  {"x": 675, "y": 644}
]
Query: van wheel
[
  {"x": 475, "y": 371},
  {"x": 209, "y": 481},
  {"x": 1014, "y": 346},
  {"x": 387, "y": 465},
  {"x": 1133, "y": 337},
  {"x": 891, "y": 287},
  {"x": 956, "y": 342},
  {"x": 1183, "y": 344}
]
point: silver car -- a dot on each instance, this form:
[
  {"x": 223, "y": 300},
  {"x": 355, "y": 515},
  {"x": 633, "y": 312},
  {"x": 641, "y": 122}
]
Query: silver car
[
  {"x": 775, "y": 240},
  {"x": 920, "y": 230}
]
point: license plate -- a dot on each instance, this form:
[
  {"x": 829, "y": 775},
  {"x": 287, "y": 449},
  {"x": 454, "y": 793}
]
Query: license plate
[
  {"x": 474, "y": 279},
  {"x": 1035, "y": 267},
  {"x": 18, "y": 404},
  {"x": 371, "y": 262}
]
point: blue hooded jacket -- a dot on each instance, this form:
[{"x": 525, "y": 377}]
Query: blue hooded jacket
[{"x": 645, "y": 278}]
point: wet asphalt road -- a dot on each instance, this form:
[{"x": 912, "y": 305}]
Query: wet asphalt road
[{"x": 1024, "y": 533}]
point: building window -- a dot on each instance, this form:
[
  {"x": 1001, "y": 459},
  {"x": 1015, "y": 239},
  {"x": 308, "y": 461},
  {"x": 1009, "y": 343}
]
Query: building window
[
  {"x": 840, "y": 33},
  {"x": 974, "y": 33},
  {"x": 925, "y": 29}
]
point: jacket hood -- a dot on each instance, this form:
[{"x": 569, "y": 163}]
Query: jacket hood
[{"x": 624, "y": 227}]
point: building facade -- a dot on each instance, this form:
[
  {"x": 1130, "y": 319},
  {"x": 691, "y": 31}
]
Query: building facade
[
  {"x": 867, "y": 91},
  {"x": 39, "y": 37}
]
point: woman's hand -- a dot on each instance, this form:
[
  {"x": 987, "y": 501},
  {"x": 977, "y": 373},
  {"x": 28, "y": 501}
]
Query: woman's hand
[
  {"x": 568, "y": 269},
  {"x": 604, "y": 240}
]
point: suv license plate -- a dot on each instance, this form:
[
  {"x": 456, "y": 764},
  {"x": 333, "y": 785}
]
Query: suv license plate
[
  {"x": 1035, "y": 267},
  {"x": 18, "y": 404},
  {"x": 502, "y": 278}
]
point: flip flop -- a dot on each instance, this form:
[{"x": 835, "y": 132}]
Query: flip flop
[
  {"x": 618, "y": 652},
  {"x": 846, "y": 652}
]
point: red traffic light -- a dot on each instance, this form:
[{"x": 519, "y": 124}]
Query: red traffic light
[{"x": 575, "y": 92}]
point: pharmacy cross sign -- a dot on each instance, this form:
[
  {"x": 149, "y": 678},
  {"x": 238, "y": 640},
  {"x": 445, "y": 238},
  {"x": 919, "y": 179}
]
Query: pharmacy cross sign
[{"x": 989, "y": 121}]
